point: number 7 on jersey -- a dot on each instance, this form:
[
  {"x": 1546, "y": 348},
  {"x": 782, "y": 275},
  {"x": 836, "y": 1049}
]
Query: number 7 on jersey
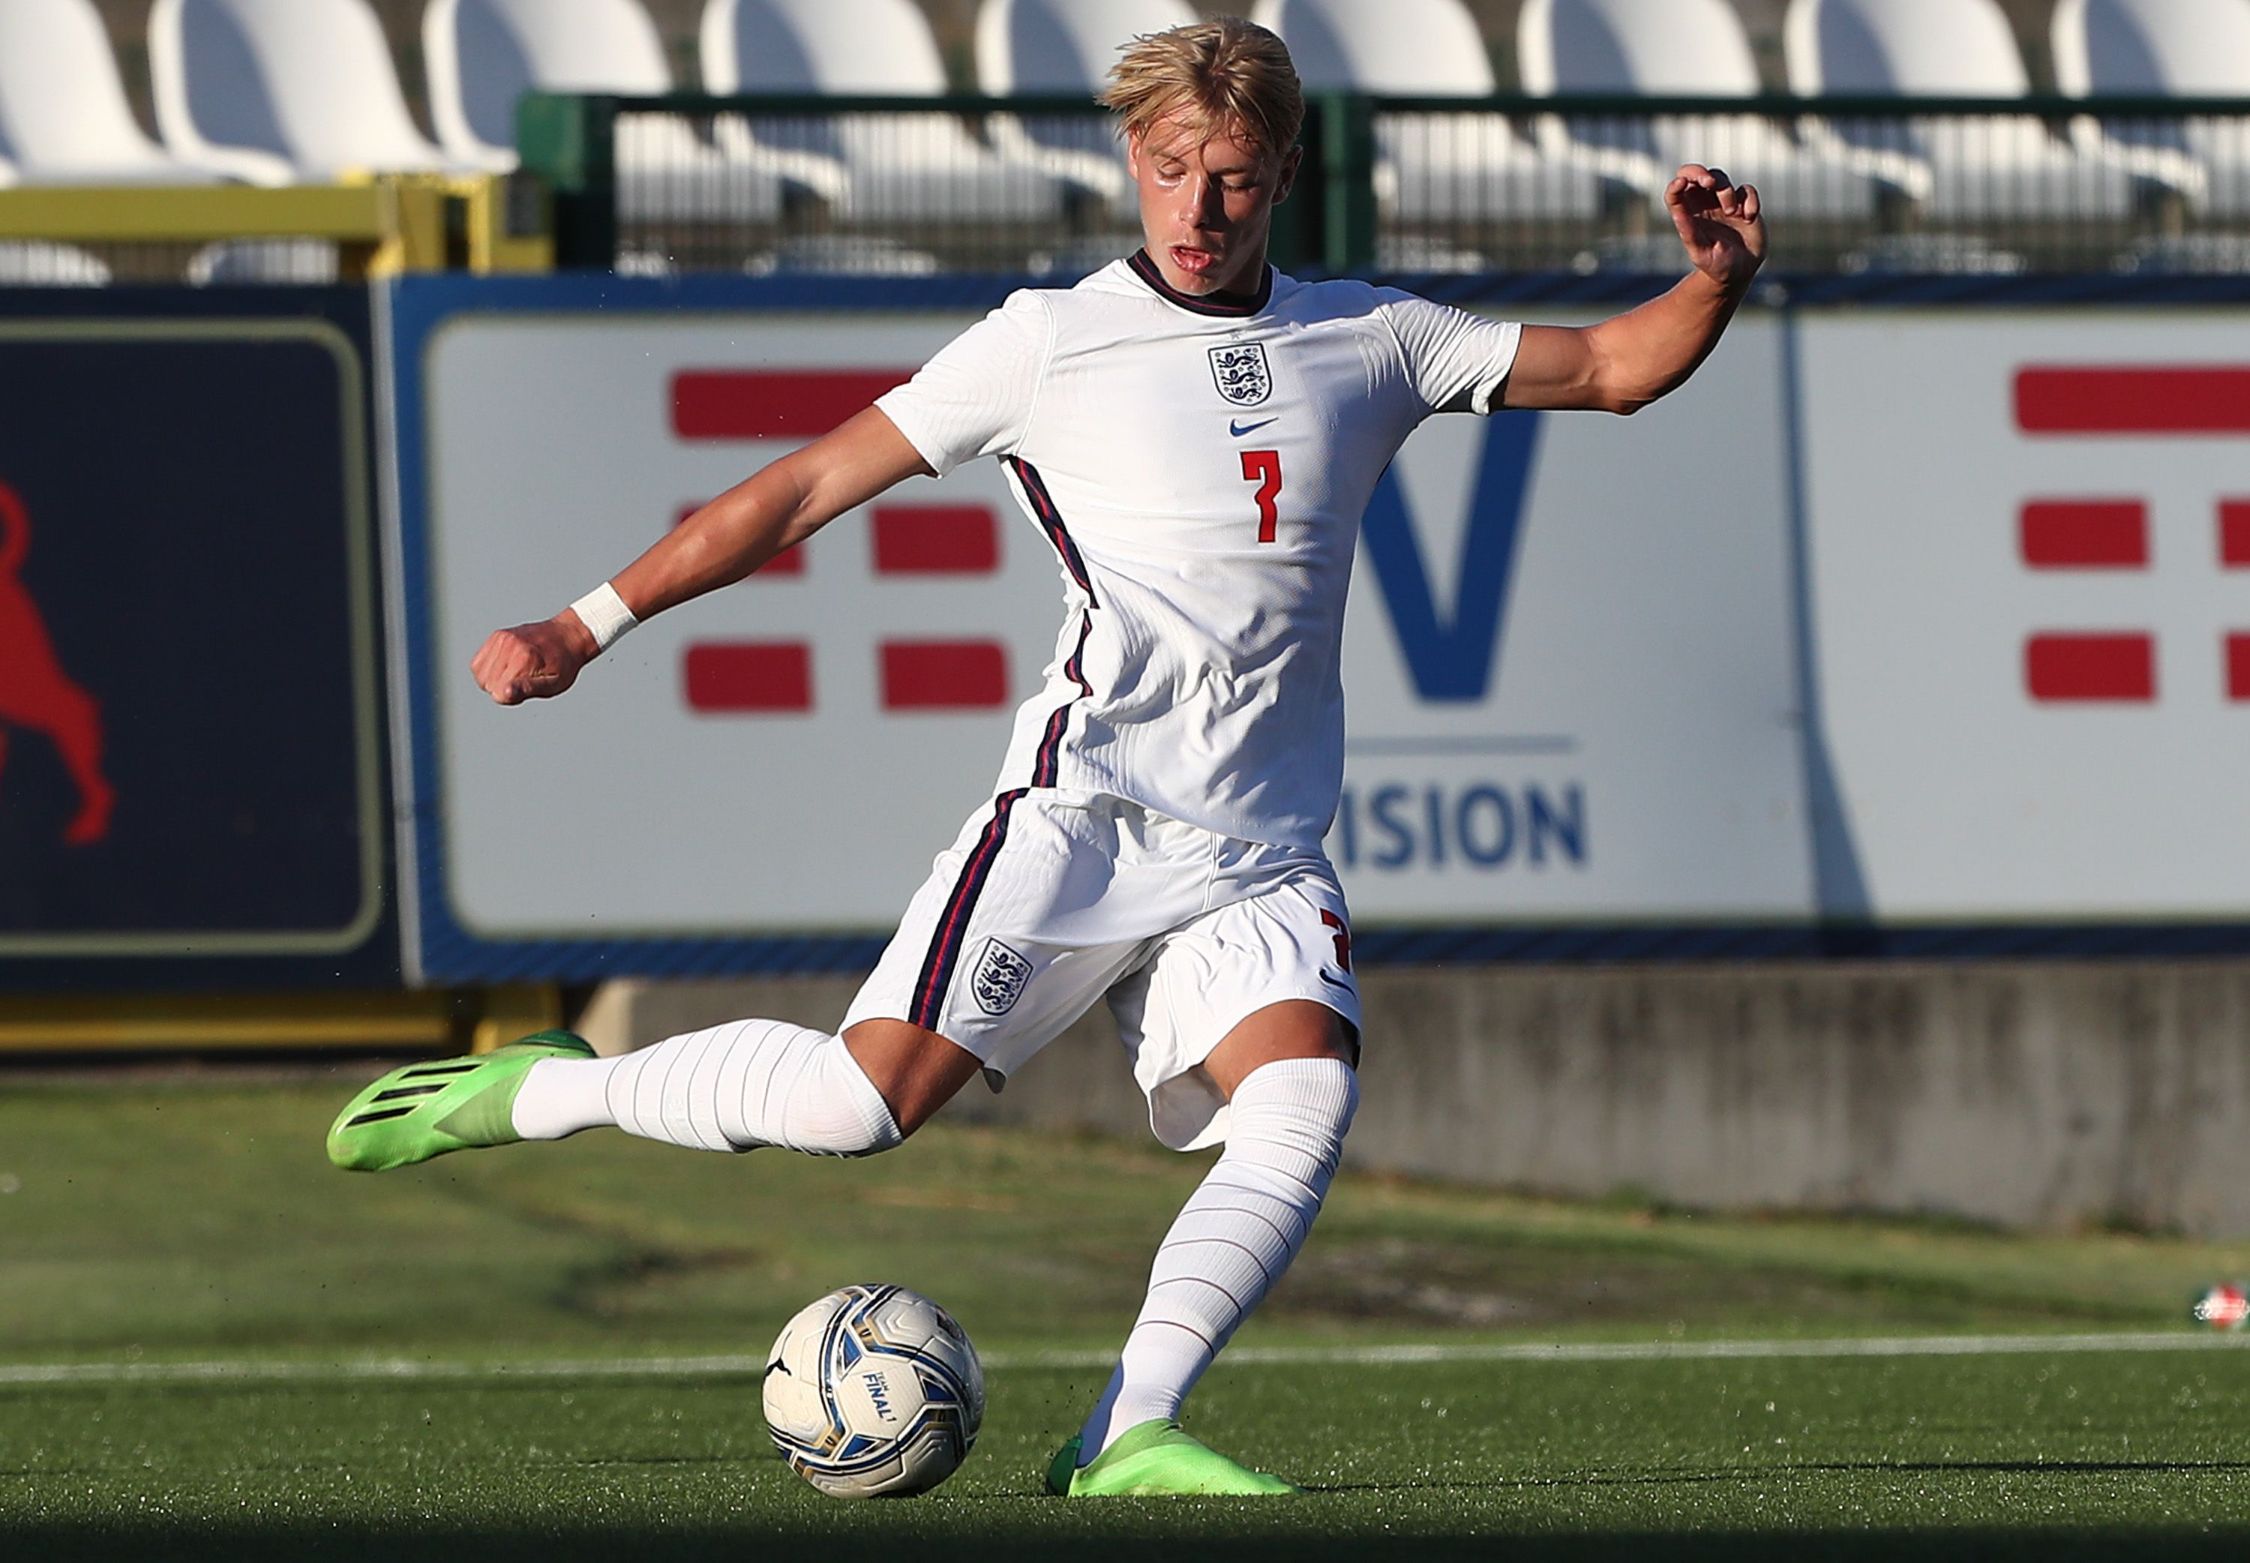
[{"x": 1263, "y": 467}]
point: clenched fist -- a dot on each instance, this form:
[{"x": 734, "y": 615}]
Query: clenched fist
[{"x": 533, "y": 661}]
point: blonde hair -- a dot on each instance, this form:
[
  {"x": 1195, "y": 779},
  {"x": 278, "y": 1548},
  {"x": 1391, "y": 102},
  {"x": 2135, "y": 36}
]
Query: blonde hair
[{"x": 1225, "y": 74}]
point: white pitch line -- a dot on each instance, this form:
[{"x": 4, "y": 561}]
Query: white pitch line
[
  {"x": 1721, "y": 1350},
  {"x": 409, "y": 1370}
]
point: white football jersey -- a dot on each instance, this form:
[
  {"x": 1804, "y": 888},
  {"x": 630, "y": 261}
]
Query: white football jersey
[{"x": 1200, "y": 467}]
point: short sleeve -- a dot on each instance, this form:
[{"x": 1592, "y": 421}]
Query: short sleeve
[
  {"x": 1456, "y": 361},
  {"x": 975, "y": 397}
]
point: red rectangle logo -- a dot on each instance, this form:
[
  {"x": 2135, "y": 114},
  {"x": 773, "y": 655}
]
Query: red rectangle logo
[
  {"x": 2112, "y": 399},
  {"x": 936, "y": 540},
  {"x": 2061, "y": 666},
  {"x": 2234, "y": 534},
  {"x": 733, "y": 677},
  {"x": 2238, "y": 667},
  {"x": 2084, "y": 534},
  {"x": 746, "y": 404},
  {"x": 944, "y": 675}
]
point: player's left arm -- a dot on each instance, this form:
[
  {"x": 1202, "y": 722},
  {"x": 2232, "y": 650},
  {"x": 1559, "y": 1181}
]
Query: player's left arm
[{"x": 1629, "y": 360}]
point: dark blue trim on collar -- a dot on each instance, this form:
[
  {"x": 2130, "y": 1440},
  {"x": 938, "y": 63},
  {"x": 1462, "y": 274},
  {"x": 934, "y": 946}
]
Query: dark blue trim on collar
[{"x": 1232, "y": 305}]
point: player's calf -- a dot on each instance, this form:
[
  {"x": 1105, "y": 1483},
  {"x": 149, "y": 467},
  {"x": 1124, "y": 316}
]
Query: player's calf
[{"x": 735, "y": 1087}]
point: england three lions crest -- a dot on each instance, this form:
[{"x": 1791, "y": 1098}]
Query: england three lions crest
[
  {"x": 1000, "y": 977},
  {"x": 1241, "y": 372}
]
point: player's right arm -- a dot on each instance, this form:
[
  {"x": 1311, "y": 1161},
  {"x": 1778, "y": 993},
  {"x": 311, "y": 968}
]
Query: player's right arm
[{"x": 775, "y": 508}]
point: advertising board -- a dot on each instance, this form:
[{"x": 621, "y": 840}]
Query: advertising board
[
  {"x": 1569, "y": 661},
  {"x": 191, "y": 781},
  {"x": 1831, "y": 653},
  {"x": 2030, "y": 586}
]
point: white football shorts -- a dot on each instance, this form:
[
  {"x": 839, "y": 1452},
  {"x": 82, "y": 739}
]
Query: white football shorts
[{"x": 1048, "y": 900}]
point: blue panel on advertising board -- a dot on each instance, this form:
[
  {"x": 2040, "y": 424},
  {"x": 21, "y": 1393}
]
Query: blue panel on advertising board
[{"x": 190, "y": 718}]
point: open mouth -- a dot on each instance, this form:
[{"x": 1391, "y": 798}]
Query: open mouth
[{"x": 1194, "y": 262}]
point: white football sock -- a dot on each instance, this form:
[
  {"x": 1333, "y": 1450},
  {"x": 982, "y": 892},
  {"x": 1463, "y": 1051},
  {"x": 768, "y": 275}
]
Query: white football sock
[
  {"x": 1232, "y": 1240},
  {"x": 732, "y": 1088}
]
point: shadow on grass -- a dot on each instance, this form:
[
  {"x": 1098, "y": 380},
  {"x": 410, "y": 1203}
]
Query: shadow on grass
[
  {"x": 1764, "y": 1476},
  {"x": 1125, "y": 1541}
]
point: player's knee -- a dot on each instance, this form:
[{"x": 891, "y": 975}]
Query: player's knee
[
  {"x": 1287, "y": 1124},
  {"x": 1290, "y": 1031},
  {"x": 824, "y": 1129},
  {"x": 835, "y": 1109},
  {"x": 1309, "y": 1100},
  {"x": 917, "y": 1071},
  {"x": 857, "y": 1141}
]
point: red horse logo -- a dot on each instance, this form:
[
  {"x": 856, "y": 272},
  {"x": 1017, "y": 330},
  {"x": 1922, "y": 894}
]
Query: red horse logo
[{"x": 35, "y": 692}]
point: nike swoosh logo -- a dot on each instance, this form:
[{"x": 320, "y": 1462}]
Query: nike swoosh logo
[
  {"x": 1335, "y": 982},
  {"x": 1240, "y": 429}
]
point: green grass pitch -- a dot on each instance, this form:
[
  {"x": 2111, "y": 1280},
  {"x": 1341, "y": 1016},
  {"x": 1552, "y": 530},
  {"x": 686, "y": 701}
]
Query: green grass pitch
[{"x": 212, "y": 1347}]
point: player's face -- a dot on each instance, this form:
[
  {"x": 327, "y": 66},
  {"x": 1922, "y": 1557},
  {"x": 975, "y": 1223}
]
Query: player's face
[{"x": 1207, "y": 200}]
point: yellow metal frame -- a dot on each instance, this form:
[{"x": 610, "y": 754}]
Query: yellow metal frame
[
  {"x": 155, "y": 212},
  {"x": 387, "y": 223},
  {"x": 510, "y": 223}
]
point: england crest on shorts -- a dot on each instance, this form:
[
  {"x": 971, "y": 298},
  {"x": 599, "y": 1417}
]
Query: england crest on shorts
[
  {"x": 1000, "y": 978},
  {"x": 1241, "y": 373}
]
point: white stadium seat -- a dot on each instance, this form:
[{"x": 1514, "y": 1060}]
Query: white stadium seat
[
  {"x": 284, "y": 91},
  {"x": 2166, "y": 48},
  {"x": 484, "y": 55},
  {"x": 1466, "y": 166},
  {"x": 2003, "y": 165},
  {"x": 1676, "y": 48},
  {"x": 899, "y": 167},
  {"x": 1062, "y": 48},
  {"x": 36, "y": 263},
  {"x": 63, "y": 115}
]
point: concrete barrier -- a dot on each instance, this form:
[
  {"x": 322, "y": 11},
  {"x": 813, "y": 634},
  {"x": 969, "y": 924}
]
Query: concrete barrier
[{"x": 2031, "y": 1095}]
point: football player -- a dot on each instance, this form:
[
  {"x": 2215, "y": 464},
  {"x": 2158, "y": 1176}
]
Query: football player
[{"x": 1196, "y": 435}]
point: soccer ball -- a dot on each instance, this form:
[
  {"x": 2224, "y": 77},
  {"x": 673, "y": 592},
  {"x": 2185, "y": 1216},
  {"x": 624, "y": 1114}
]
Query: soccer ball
[{"x": 873, "y": 1392}]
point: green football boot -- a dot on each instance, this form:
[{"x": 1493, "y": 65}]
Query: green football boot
[
  {"x": 1157, "y": 1460},
  {"x": 447, "y": 1104}
]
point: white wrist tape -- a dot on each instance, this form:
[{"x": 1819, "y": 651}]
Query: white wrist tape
[{"x": 604, "y": 614}]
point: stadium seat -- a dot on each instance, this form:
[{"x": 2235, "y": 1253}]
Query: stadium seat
[
  {"x": 37, "y": 263},
  {"x": 922, "y": 168},
  {"x": 2166, "y": 48},
  {"x": 1676, "y": 48},
  {"x": 1462, "y": 167},
  {"x": 484, "y": 55},
  {"x": 2003, "y": 165},
  {"x": 63, "y": 115},
  {"x": 1065, "y": 48},
  {"x": 284, "y": 91}
]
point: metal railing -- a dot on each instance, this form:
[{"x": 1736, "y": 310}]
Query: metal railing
[{"x": 1036, "y": 185}]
